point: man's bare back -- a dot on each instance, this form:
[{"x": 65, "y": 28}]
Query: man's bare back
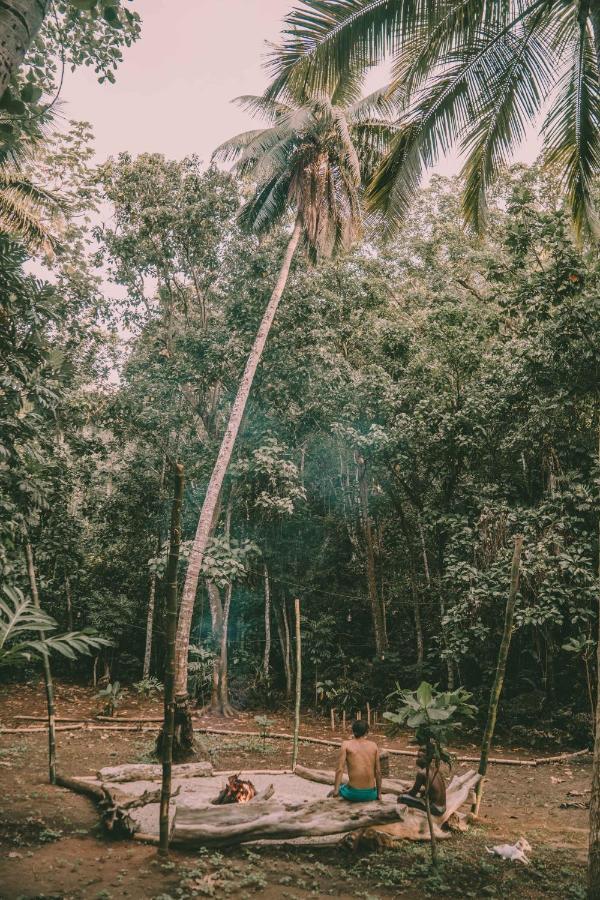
[{"x": 361, "y": 757}]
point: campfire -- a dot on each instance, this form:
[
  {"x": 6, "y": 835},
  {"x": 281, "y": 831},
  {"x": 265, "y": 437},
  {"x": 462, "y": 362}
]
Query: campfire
[{"x": 236, "y": 791}]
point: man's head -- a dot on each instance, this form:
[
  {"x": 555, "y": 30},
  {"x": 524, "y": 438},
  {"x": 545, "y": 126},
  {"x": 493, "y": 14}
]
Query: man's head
[{"x": 360, "y": 728}]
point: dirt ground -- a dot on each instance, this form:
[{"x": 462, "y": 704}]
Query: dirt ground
[{"x": 51, "y": 845}]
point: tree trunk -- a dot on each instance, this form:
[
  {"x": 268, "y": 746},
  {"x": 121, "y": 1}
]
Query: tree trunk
[
  {"x": 418, "y": 627},
  {"x": 149, "y": 626},
  {"x": 152, "y": 589},
  {"x": 69, "y": 603},
  {"x": 171, "y": 629},
  {"x": 298, "y": 683},
  {"x": 220, "y": 468},
  {"x": 432, "y": 837},
  {"x": 284, "y": 641},
  {"x": 47, "y": 672},
  {"x": 266, "y": 658},
  {"x": 500, "y": 670},
  {"x": 20, "y": 21},
  {"x": 216, "y": 616},
  {"x": 594, "y": 842},
  {"x": 224, "y": 706},
  {"x": 377, "y": 608}
]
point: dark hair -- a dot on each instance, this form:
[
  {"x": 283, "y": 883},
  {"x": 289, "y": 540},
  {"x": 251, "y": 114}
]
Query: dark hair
[{"x": 360, "y": 727}]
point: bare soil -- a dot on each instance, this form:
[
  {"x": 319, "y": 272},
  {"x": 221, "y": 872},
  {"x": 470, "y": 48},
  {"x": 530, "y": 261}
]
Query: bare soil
[{"x": 51, "y": 845}]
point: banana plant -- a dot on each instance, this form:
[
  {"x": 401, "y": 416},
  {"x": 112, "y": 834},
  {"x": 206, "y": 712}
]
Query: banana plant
[{"x": 20, "y": 620}]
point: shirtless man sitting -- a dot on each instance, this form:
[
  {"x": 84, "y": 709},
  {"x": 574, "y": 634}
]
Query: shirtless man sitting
[
  {"x": 415, "y": 798},
  {"x": 361, "y": 756}
]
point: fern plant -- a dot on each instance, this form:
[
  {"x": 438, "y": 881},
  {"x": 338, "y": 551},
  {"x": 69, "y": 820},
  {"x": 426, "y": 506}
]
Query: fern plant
[{"x": 20, "y": 620}]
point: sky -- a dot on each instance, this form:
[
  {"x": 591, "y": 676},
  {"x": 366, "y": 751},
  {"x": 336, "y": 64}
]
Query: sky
[{"x": 174, "y": 89}]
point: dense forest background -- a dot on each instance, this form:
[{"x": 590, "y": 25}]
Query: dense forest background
[{"x": 420, "y": 401}]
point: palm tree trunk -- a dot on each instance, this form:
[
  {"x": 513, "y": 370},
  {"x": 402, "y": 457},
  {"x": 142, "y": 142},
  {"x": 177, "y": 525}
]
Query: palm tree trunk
[
  {"x": 171, "y": 629},
  {"x": 20, "y": 21},
  {"x": 267, "y": 655},
  {"x": 298, "y": 684},
  {"x": 47, "y": 672},
  {"x": 220, "y": 468},
  {"x": 500, "y": 670},
  {"x": 594, "y": 842}
]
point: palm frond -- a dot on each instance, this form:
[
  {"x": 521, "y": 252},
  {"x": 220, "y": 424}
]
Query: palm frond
[
  {"x": 518, "y": 76},
  {"x": 572, "y": 133},
  {"x": 326, "y": 39}
]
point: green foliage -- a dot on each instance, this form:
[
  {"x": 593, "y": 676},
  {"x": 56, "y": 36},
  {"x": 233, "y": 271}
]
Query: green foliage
[
  {"x": 148, "y": 687},
  {"x": 264, "y": 724},
  {"x": 434, "y": 715},
  {"x": 19, "y": 618}
]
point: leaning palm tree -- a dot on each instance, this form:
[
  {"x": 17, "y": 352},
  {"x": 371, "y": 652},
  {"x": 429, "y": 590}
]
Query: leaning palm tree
[
  {"x": 308, "y": 163},
  {"x": 472, "y": 74}
]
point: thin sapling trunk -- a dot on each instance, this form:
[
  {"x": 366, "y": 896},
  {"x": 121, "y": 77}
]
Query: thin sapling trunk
[
  {"x": 267, "y": 655},
  {"x": 47, "y": 671},
  {"x": 298, "y": 683},
  {"x": 500, "y": 671}
]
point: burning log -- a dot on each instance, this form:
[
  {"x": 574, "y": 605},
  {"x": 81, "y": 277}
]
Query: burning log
[{"x": 236, "y": 791}]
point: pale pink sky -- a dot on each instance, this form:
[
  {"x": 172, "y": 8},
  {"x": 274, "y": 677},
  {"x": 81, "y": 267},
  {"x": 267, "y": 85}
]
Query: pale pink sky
[{"x": 174, "y": 88}]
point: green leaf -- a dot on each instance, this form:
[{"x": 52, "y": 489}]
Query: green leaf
[
  {"x": 31, "y": 93},
  {"x": 424, "y": 693},
  {"x": 83, "y": 4},
  {"x": 111, "y": 15}
]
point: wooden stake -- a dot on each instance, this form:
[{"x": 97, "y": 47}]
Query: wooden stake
[
  {"x": 298, "y": 684},
  {"x": 332, "y": 719},
  {"x": 368, "y": 715},
  {"x": 47, "y": 672},
  {"x": 171, "y": 632},
  {"x": 344, "y": 721},
  {"x": 500, "y": 671}
]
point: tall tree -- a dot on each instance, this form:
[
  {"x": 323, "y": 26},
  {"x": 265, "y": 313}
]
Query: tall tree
[
  {"x": 468, "y": 73},
  {"x": 308, "y": 162}
]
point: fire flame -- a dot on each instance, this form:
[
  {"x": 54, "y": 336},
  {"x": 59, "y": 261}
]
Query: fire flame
[{"x": 236, "y": 791}]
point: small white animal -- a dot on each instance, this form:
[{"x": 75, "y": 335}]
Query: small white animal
[{"x": 516, "y": 851}]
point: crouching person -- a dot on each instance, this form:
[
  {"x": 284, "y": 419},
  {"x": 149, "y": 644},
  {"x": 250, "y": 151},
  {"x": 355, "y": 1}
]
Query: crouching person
[
  {"x": 415, "y": 798},
  {"x": 361, "y": 757}
]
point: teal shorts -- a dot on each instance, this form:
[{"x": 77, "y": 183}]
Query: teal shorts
[{"x": 357, "y": 795}]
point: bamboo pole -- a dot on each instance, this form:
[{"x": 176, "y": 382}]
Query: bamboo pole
[
  {"x": 298, "y": 684},
  {"x": 171, "y": 632},
  {"x": 500, "y": 671},
  {"x": 47, "y": 671}
]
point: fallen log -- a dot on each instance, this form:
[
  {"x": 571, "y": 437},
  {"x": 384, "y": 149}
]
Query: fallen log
[
  {"x": 268, "y": 820},
  {"x": 137, "y": 725},
  {"x": 320, "y": 776},
  {"x": 150, "y": 772},
  {"x": 93, "y": 791},
  {"x": 414, "y": 825},
  {"x": 41, "y": 730}
]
